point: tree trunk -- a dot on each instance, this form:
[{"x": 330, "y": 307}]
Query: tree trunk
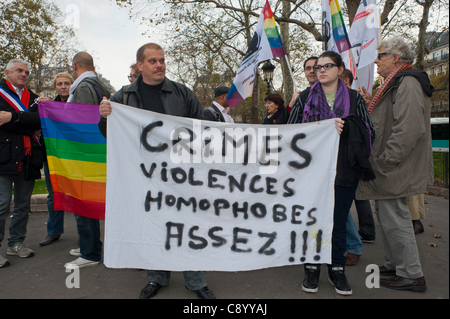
[
  {"x": 288, "y": 85},
  {"x": 352, "y": 7},
  {"x": 421, "y": 50}
]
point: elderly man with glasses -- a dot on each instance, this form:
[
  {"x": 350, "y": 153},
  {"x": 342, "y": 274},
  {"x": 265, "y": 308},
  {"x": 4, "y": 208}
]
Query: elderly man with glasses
[{"x": 401, "y": 160}]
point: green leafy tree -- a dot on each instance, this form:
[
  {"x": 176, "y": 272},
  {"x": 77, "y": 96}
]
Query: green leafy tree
[{"x": 34, "y": 30}]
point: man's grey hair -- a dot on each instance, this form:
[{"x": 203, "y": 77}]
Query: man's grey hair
[
  {"x": 10, "y": 65},
  {"x": 399, "y": 46}
]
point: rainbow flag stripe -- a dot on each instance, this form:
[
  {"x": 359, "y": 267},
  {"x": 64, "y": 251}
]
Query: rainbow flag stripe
[
  {"x": 271, "y": 31},
  {"x": 233, "y": 97},
  {"x": 76, "y": 155},
  {"x": 339, "y": 31},
  {"x": 266, "y": 28}
]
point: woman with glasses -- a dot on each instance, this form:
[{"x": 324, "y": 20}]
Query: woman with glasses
[
  {"x": 134, "y": 73},
  {"x": 330, "y": 98}
]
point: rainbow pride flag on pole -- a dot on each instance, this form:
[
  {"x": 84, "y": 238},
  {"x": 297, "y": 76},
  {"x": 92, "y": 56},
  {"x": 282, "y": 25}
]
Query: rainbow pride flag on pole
[
  {"x": 333, "y": 25},
  {"x": 76, "y": 155},
  {"x": 266, "y": 44},
  {"x": 272, "y": 33}
]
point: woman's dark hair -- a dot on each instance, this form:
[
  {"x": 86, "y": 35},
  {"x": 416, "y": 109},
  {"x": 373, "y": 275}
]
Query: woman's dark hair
[
  {"x": 276, "y": 98},
  {"x": 337, "y": 59}
]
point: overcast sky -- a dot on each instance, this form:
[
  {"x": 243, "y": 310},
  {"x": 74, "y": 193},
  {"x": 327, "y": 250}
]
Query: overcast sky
[{"x": 106, "y": 32}]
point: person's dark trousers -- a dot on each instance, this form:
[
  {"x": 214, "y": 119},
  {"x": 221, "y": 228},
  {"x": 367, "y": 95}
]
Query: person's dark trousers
[
  {"x": 22, "y": 197},
  {"x": 89, "y": 232},
  {"x": 193, "y": 280},
  {"x": 365, "y": 219},
  {"x": 343, "y": 200},
  {"x": 55, "y": 223}
]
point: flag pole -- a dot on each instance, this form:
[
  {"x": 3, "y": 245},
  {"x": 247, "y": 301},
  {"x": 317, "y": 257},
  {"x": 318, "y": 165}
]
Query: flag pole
[
  {"x": 290, "y": 71},
  {"x": 356, "y": 69}
]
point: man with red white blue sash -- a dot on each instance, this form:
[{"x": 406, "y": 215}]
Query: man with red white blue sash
[{"x": 20, "y": 155}]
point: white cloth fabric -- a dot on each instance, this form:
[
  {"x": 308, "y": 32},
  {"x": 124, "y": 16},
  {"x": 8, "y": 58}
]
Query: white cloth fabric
[
  {"x": 182, "y": 204},
  {"x": 224, "y": 112}
]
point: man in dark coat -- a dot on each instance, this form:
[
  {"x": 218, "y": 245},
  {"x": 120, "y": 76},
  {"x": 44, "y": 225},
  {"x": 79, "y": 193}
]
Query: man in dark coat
[
  {"x": 218, "y": 111},
  {"x": 20, "y": 154},
  {"x": 154, "y": 92}
]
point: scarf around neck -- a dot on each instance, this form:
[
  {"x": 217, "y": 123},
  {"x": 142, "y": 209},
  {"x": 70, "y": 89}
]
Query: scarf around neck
[
  {"x": 87, "y": 74},
  {"x": 387, "y": 82},
  {"x": 25, "y": 99},
  {"x": 317, "y": 108}
]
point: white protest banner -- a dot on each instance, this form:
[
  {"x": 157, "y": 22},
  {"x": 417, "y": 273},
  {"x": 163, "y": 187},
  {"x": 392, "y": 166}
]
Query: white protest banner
[{"x": 185, "y": 194}]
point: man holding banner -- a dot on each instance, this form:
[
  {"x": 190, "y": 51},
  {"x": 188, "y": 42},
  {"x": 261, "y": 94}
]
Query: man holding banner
[
  {"x": 154, "y": 92},
  {"x": 20, "y": 156}
]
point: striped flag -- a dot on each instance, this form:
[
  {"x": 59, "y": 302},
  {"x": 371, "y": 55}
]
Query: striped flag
[
  {"x": 272, "y": 33},
  {"x": 333, "y": 27},
  {"x": 76, "y": 155},
  {"x": 365, "y": 37},
  {"x": 339, "y": 31},
  {"x": 266, "y": 44}
]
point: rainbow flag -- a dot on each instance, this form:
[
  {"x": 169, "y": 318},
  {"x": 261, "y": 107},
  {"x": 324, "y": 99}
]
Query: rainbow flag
[
  {"x": 266, "y": 44},
  {"x": 271, "y": 31},
  {"x": 339, "y": 31},
  {"x": 76, "y": 155}
]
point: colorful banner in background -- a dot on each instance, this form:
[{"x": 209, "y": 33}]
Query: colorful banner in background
[
  {"x": 339, "y": 31},
  {"x": 272, "y": 33},
  {"x": 76, "y": 155},
  {"x": 365, "y": 36},
  {"x": 266, "y": 44},
  {"x": 334, "y": 33}
]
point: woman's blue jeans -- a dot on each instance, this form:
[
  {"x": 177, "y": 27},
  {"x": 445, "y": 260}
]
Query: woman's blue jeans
[
  {"x": 354, "y": 243},
  {"x": 55, "y": 223},
  {"x": 89, "y": 232}
]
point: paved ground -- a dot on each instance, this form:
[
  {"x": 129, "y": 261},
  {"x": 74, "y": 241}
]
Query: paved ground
[{"x": 44, "y": 277}]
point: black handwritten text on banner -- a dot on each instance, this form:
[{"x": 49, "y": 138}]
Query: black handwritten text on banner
[{"x": 185, "y": 194}]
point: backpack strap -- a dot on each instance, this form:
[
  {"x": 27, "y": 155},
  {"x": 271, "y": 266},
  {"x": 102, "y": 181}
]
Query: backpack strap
[
  {"x": 214, "y": 113},
  {"x": 97, "y": 90},
  {"x": 125, "y": 94}
]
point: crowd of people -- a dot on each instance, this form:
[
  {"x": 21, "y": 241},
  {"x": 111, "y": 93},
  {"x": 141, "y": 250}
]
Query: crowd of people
[{"x": 383, "y": 138}]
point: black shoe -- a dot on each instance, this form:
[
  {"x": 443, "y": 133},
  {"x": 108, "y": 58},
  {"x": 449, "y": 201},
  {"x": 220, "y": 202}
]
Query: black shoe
[
  {"x": 367, "y": 239},
  {"x": 49, "y": 239},
  {"x": 311, "y": 281},
  {"x": 384, "y": 271},
  {"x": 336, "y": 276},
  {"x": 401, "y": 283},
  {"x": 418, "y": 227},
  {"x": 204, "y": 293},
  {"x": 150, "y": 290}
]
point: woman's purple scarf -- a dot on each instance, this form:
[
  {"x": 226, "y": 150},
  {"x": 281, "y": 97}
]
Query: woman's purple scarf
[{"x": 317, "y": 108}]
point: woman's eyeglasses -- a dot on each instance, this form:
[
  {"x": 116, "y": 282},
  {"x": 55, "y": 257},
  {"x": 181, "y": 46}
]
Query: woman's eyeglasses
[{"x": 327, "y": 66}]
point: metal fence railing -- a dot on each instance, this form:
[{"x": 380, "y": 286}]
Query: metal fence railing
[{"x": 440, "y": 166}]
